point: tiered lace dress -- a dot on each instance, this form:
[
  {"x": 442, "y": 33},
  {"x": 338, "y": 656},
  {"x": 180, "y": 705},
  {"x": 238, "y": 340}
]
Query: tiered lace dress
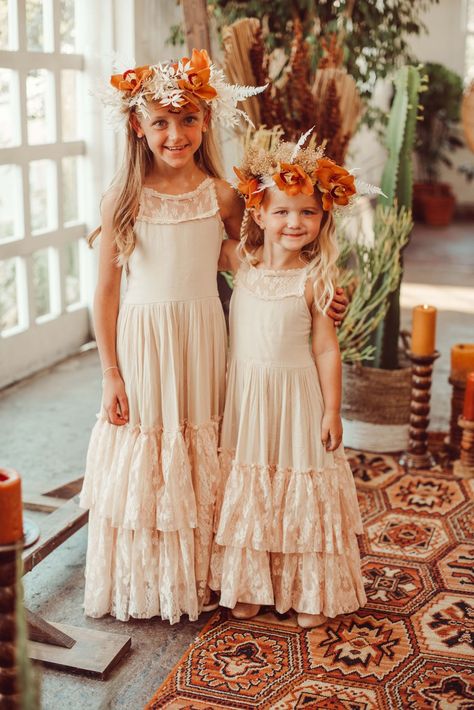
[
  {"x": 289, "y": 513},
  {"x": 151, "y": 485}
]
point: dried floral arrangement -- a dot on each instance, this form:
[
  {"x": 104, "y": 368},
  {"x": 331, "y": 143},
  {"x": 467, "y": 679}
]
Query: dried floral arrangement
[{"x": 298, "y": 98}]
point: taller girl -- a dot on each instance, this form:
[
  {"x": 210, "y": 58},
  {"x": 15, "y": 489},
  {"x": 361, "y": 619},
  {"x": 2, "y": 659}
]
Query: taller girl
[{"x": 152, "y": 466}]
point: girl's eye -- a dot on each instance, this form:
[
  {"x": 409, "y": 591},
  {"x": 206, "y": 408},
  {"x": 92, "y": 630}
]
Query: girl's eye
[
  {"x": 281, "y": 212},
  {"x": 309, "y": 213},
  {"x": 159, "y": 124},
  {"x": 190, "y": 119}
]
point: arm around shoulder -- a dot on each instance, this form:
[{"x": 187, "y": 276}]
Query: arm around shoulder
[{"x": 231, "y": 208}]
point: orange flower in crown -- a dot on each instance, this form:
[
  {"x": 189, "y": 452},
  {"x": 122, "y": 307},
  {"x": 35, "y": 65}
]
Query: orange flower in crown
[
  {"x": 198, "y": 74},
  {"x": 249, "y": 188},
  {"x": 336, "y": 184},
  {"x": 132, "y": 80},
  {"x": 174, "y": 85},
  {"x": 295, "y": 170},
  {"x": 292, "y": 179}
]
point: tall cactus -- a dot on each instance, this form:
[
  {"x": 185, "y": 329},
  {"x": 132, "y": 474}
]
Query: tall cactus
[{"x": 397, "y": 184}]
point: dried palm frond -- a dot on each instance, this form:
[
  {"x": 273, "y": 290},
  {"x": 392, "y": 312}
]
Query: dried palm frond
[
  {"x": 338, "y": 109},
  {"x": 239, "y": 39}
]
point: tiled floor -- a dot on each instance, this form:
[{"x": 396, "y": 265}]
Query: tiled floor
[{"x": 45, "y": 423}]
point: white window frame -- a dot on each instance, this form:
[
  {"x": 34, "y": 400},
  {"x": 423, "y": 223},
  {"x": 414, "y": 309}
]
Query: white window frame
[{"x": 38, "y": 342}]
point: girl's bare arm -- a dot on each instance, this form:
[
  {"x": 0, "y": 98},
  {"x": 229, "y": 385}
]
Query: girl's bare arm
[
  {"x": 231, "y": 208},
  {"x": 229, "y": 259},
  {"x": 328, "y": 363},
  {"x": 106, "y": 306}
]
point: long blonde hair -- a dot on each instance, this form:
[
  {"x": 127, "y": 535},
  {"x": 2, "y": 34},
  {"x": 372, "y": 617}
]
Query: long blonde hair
[
  {"x": 320, "y": 255},
  {"x": 128, "y": 182}
]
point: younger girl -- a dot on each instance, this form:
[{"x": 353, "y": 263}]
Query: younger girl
[{"x": 289, "y": 515}]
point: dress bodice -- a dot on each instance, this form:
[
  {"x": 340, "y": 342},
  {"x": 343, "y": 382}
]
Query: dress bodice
[
  {"x": 178, "y": 241},
  {"x": 269, "y": 318}
]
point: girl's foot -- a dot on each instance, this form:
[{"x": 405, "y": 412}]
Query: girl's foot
[
  {"x": 211, "y": 601},
  {"x": 245, "y": 611},
  {"x": 310, "y": 621}
]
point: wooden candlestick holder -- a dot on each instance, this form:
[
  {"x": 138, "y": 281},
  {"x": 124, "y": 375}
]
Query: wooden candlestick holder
[
  {"x": 10, "y": 691},
  {"x": 12, "y": 695},
  {"x": 452, "y": 443},
  {"x": 417, "y": 455},
  {"x": 464, "y": 466}
]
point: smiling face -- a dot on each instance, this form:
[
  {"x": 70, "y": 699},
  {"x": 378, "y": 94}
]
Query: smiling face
[
  {"x": 173, "y": 138},
  {"x": 289, "y": 223}
]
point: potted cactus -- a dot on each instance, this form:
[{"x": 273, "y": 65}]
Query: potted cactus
[{"x": 382, "y": 377}]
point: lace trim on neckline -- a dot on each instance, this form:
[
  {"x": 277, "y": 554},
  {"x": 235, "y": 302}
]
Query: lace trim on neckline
[
  {"x": 182, "y": 195},
  {"x": 279, "y": 272},
  {"x": 173, "y": 209},
  {"x": 273, "y": 284}
]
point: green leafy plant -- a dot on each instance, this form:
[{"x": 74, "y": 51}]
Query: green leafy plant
[
  {"x": 437, "y": 134},
  {"x": 374, "y": 274}
]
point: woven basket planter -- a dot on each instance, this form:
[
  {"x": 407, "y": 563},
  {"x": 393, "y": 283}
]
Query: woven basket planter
[{"x": 376, "y": 408}]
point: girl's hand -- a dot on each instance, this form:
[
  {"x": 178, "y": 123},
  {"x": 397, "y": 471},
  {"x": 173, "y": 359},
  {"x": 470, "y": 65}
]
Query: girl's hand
[
  {"x": 115, "y": 398},
  {"x": 337, "y": 309},
  {"x": 331, "y": 430}
]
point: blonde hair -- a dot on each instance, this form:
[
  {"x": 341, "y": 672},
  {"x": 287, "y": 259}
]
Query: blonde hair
[
  {"x": 320, "y": 255},
  {"x": 137, "y": 162}
]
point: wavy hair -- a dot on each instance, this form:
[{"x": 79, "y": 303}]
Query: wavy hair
[
  {"x": 320, "y": 255},
  {"x": 128, "y": 182}
]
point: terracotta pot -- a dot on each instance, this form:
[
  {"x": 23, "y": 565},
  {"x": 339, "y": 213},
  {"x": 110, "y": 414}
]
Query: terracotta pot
[
  {"x": 434, "y": 203},
  {"x": 419, "y": 190}
]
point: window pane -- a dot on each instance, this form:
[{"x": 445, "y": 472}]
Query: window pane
[
  {"x": 43, "y": 196},
  {"x": 9, "y": 112},
  {"x": 69, "y": 104},
  {"x": 41, "y": 285},
  {"x": 39, "y": 30},
  {"x": 11, "y": 203},
  {"x": 40, "y": 106},
  {"x": 8, "y": 34},
  {"x": 73, "y": 287},
  {"x": 67, "y": 26},
  {"x": 71, "y": 189},
  {"x": 470, "y": 56},
  {"x": 470, "y": 15},
  {"x": 9, "y": 312}
]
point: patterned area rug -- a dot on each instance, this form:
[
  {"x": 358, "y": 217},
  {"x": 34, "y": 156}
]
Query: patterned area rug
[{"x": 412, "y": 646}]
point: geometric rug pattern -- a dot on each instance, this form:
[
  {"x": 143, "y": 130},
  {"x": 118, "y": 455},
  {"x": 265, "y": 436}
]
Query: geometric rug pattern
[{"x": 411, "y": 646}]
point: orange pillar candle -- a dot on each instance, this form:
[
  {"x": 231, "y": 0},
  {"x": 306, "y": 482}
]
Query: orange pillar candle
[
  {"x": 11, "y": 518},
  {"x": 423, "y": 330},
  {"x": 462, "y": 360},
  {"x": 468, "y": 409}
]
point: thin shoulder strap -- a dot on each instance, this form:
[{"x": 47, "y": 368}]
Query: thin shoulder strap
[{"x": 213, "y": 192}]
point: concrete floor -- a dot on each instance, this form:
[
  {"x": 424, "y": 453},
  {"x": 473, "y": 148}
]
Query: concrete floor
[{"x": 46, "y": 421}]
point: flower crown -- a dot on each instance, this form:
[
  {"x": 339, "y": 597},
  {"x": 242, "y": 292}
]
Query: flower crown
[
  {"x": 178, "y": 84},
  {"x": 294, "y": 170}
]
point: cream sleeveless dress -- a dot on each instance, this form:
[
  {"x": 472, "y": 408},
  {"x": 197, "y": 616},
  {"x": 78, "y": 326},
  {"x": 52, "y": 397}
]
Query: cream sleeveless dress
[
  {"x": 151, "y": 485},
  {"x": 289, "y": 514}
]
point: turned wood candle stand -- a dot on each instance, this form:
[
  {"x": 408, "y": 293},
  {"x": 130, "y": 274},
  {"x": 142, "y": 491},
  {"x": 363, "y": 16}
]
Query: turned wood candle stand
[
  {"x": 417, "y": 455},
  {"x": 452, "y": 443},
  {"x": 12, "y": 693},
  {"x": 464, "y": 466}
]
